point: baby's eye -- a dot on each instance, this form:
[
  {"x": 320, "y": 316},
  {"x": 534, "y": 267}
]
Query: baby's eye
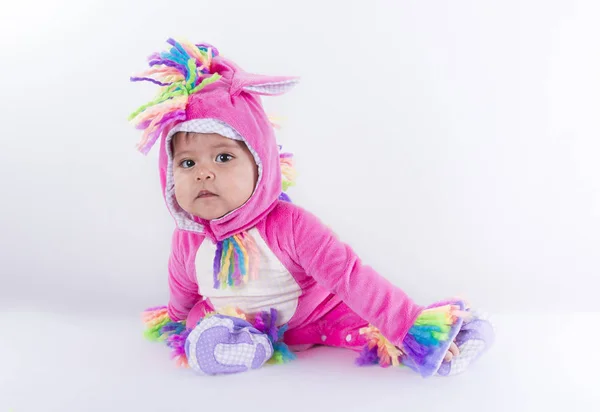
[
  {"x": 223, "y": 158},
  {"x": 186, "y": 164}
]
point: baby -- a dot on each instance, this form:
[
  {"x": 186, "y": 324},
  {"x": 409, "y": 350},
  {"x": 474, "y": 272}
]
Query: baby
[{"x": 253, "y": 277}]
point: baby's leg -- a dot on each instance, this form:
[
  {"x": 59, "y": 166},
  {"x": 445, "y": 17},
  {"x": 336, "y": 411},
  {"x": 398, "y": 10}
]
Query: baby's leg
[
  {"x": 339, "y": 327},
  {"x": 222, "y": 344}
]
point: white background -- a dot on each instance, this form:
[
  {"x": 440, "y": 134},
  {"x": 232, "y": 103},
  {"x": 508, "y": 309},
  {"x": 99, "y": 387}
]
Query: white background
[{"x": 453, "y": 144}]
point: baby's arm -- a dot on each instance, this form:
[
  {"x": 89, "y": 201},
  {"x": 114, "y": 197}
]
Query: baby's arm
[
  {"x": 182, "y": 284},
  {"x": 334, "y": 265}
]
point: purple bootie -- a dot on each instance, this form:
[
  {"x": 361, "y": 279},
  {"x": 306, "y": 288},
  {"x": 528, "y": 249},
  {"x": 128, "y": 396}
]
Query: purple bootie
[{"x": 222, "y": 344}]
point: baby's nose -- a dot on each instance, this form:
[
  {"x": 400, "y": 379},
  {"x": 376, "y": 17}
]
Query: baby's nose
[{"x": 205, "y": 175}]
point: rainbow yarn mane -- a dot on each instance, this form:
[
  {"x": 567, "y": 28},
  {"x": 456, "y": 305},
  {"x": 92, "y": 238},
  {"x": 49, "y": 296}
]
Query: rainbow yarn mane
[
  {"x": 183, "y": 70},
  {"x": 236, "y": 261}
]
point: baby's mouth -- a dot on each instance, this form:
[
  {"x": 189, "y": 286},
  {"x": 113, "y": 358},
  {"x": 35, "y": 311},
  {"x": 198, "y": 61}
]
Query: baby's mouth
[{"x": 205, "y": 194}]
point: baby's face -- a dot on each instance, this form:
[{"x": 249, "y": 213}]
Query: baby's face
[{"x": 213, "y": 174}]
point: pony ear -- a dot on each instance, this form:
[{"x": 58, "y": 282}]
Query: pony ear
[
  {"x": 272, "y": 88},
  {"x": 263, "y": 85}
]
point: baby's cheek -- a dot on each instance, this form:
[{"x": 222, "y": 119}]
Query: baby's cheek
[{"x": 181, "y": 192}]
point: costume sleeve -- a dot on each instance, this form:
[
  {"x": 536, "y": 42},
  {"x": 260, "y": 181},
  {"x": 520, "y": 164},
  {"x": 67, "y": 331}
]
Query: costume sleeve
[
  {"x": 183, "y": 287},
  {"x": 335, "y": 266}
]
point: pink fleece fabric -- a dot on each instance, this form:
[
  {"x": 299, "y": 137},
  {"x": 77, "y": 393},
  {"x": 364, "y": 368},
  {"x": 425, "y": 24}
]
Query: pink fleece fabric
[{"x": 331, "y": 276}]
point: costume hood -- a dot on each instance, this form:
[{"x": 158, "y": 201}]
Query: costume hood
[{"x": 203, "y": 92}]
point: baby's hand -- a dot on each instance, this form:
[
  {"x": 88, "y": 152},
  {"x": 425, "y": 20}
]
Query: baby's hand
[{"x": 452, "y": 352}]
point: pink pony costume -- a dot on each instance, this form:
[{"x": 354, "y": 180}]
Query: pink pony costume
[{"x": 269, "y": 276}]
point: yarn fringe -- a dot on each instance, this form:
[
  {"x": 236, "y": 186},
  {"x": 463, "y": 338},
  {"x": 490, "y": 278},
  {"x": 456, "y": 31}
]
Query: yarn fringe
[
  {"x": 378, "y": 350},
  {"x": 266, "y": 322},
  {"x": 288, "y": 170},
  {"x": 425, "y": 341},
  {"x": 430, "y": 331},
  {"x": 183, "y": 70},
  {"x": 236, "y": 261},
  {"x": 160, "y": 328}
]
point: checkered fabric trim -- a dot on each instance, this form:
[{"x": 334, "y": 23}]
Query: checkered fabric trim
[
  {"x": 241, "y": 353},
  {"x": 272, "y": 88}
]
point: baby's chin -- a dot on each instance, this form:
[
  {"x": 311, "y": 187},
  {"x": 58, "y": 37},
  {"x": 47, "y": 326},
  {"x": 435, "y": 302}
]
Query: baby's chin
[
  {"x": 209, "y": 215},
  {"x": 209, "y": 210}
]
